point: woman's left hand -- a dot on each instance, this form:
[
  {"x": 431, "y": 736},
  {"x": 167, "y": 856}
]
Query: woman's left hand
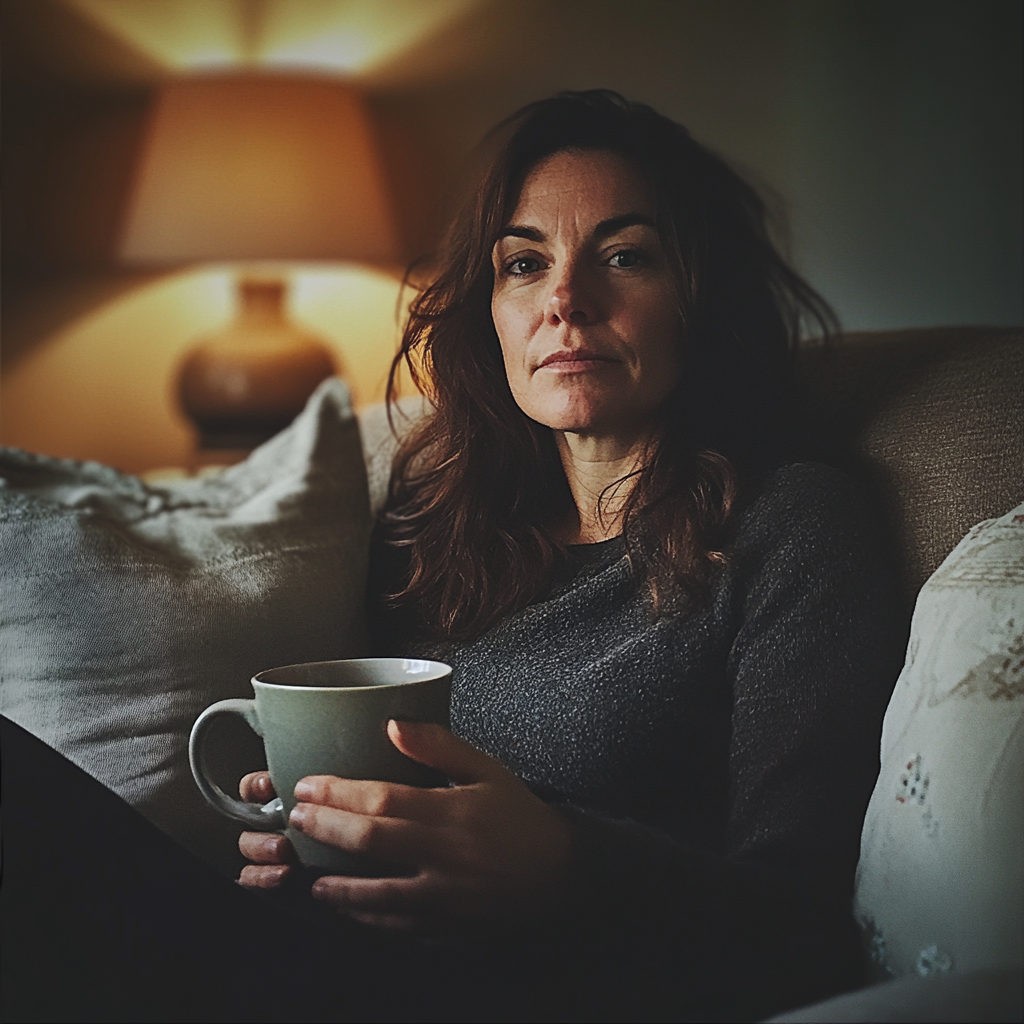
[{"x": 486, "y": 848}]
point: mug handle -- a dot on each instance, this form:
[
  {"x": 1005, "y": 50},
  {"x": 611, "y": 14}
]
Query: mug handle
[{"x": 268, "y": 818}]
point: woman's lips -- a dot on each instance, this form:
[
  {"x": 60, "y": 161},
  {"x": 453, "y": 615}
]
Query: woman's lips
[{"x": 566, "y": 361}]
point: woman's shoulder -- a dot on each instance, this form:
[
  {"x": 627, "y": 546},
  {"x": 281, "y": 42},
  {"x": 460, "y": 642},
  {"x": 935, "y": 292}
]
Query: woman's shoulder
[
  {"x": 809, "y": 510},
  {"x": 806, "y": 490},
  {"x": 805, "y": 483},
  {"x": 811, "y": 560}
]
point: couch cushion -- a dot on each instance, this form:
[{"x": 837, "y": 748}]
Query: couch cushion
[
  {"x": 129, "y": 608},
  {"x": 380, "y": 437},
  {"x": 933, "y": 421},
  {"x": 940, "y": 885},
  {"x": 975, "y": 996}
]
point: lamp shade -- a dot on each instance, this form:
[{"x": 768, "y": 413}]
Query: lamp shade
[{"x": 259, "y": 168}]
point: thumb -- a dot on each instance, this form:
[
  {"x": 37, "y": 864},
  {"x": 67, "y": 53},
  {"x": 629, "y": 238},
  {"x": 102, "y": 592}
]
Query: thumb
[{"x": 436, "y": 747}]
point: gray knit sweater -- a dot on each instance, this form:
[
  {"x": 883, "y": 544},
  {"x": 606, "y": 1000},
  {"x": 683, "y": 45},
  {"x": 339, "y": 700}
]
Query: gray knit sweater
[{"x": 716, "y": 767}]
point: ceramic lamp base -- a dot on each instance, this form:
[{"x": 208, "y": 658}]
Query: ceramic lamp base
[{"x": 245, "y": 384}]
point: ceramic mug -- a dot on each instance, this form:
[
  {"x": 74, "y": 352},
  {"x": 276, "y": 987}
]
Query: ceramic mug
[{"x": 327, "y": 718}]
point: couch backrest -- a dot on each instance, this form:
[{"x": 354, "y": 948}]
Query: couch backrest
[{"x": 932, "y": 420}]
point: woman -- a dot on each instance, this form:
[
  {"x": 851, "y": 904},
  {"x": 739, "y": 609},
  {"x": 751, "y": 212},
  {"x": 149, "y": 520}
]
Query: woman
[{"x": 671, "y": 649}]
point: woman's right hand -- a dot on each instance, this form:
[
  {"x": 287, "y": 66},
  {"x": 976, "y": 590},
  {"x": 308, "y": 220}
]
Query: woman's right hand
[{"x": 270, "y": 852}]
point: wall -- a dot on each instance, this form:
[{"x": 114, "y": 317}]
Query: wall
[
  {"x": 891, "y": 131},
  {"x": 904, "y": 163}
]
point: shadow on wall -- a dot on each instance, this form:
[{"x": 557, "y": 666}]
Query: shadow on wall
[{"x": 904, "y": 163}]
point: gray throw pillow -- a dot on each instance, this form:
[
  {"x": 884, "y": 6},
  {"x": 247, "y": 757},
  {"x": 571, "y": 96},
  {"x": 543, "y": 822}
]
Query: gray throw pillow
[
  {"x": 381, "y": 436},
  {"x": 127, "y": 608}
]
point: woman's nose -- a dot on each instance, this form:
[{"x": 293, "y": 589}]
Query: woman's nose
[{"x": 570, "y": 301}]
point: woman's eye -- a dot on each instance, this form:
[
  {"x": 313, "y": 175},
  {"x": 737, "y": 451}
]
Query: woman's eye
[
  {"x": 625, "y": 259},
  {"x": 524, "y": 265}
]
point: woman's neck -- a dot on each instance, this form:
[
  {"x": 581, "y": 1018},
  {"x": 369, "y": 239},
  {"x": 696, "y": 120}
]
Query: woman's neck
[{"x": 592, "y": 465}]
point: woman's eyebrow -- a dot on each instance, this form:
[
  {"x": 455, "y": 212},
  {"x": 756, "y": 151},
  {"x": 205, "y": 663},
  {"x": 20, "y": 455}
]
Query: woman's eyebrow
[
  {"x": 521, "y": 231},
  {"x": 603, "y": 230},
  {"x": 613, "y": 225}
]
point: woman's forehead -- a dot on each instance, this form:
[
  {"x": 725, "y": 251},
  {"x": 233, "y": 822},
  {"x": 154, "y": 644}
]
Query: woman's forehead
[{"x": 601, "y": 182}]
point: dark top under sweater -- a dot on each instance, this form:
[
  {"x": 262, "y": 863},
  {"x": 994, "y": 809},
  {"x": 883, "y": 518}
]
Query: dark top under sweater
[{"x": 716, "y": 767}]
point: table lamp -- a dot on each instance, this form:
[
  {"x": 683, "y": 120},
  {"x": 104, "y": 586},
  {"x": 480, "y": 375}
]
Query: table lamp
[{"x": 256, "y": 170}]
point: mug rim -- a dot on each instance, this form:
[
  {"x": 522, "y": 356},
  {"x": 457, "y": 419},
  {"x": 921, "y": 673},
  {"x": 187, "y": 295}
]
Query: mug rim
[{"x": 439, "y": 670}]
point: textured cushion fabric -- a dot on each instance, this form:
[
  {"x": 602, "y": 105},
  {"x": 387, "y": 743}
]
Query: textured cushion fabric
[
  {"x": 380, "y": 437},
  {"x": 940, "y": 884},
  {"x": 933, "y": 421},
  {"x": 129, "y": 608},
  {"x": 976, "y": 996}
]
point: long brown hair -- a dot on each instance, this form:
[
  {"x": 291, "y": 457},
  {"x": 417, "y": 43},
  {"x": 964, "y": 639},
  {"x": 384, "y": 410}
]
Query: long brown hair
[{"x": 478, "y": 488}]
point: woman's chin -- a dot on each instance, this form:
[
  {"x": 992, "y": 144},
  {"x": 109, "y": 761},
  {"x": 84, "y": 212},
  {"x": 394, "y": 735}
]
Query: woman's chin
[
  {"x": 574, "y": 422},
  {"x": 575, "y": 413},
  {"x": 597, "y": 419}
]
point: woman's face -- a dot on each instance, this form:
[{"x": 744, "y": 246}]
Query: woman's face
[{"x": 584, "y": 302}]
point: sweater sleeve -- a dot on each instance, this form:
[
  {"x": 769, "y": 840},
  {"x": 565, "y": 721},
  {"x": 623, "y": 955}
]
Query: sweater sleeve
[
  {"x": 812, "y": 668},
  {"x": 765, "y": 924}
]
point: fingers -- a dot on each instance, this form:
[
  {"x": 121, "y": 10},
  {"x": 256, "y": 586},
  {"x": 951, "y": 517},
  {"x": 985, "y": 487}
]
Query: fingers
[
  {"x": 391, "y": 839},
  {"x": 265, "y": 848},
  {"x": 430, "y": 744},
  {"x": 256, "y": 788},
  {"x": 406, "y": 898},
  {"x": 271, "y": 854},
  {"x": 412, "y": 906},
  {"x": 436, "y": 747},
  {"x": 378, "y": 799},
  {"x": 264, "y": 876}
]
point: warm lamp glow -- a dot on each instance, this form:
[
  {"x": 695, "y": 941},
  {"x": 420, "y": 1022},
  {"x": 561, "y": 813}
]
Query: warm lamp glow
[
  {"x": 346, "y": 37},
  {"x": 259, "y": 168},
  {"x": 117, "y": 397},
  {"x": 351, "y": 37},
  {"x": 180, "y": 34}
]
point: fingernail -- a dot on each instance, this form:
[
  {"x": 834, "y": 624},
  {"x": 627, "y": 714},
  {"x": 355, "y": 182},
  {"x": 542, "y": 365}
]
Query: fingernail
[
  {"x": 404, "y": 726},
  {"x": 319, "y": 890},
  {"x": 303, "y": 790},
  {"x": 298, "y": 817}
]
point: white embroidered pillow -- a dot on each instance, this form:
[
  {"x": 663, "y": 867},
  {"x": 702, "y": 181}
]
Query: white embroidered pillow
[{"x": 940, "y": 885}]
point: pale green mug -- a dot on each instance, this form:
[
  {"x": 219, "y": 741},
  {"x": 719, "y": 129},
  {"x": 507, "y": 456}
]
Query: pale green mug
[{"x": 328, "y": 718}]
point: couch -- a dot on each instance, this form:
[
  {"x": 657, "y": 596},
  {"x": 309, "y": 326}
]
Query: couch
[
  {"x": 932, "y": 421},
  {"x": 263, "y": 564}
]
